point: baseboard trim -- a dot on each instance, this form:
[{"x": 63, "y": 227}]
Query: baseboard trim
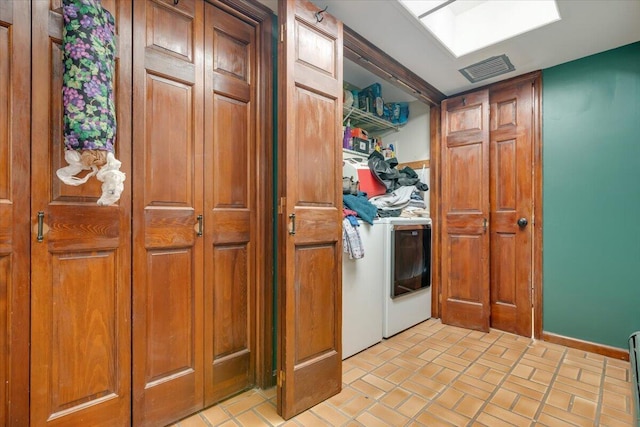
[{"x": 605, "y": 350}]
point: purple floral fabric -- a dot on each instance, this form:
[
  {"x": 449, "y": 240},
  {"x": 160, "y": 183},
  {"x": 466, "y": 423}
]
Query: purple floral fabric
[{"x": 89, "y": 64}]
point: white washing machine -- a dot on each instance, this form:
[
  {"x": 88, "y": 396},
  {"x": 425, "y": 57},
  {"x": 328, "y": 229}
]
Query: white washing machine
[
  {"x": 362, "y": 283},
  {"x": 407, "y": 273}
]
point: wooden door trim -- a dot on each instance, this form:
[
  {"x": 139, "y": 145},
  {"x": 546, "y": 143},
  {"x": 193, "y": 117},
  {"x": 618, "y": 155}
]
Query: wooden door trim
[
  {"x": 604, "y": 350},
  {"x": 262, "y": 18},
  {"x": 370, "y": 57},
  {"x": 537, "y": 203},
  {"x": 436, "y": 206},
  {"x": 245, "y": 8}
]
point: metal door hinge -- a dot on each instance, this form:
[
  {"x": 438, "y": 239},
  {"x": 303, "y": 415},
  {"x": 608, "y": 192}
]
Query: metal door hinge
[
  {"x": 280, "y": 378},
  {"x": 531, "y": 296},
  {"x": 282, "y": 30},
  {"x": 283, "y": 201}
]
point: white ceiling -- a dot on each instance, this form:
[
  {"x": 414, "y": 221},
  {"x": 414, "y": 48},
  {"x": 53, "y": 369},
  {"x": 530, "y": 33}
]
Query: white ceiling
[{"x": 587, "y": 27}]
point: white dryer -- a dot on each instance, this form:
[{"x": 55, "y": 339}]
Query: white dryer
[{"x": 407, "y": 273}]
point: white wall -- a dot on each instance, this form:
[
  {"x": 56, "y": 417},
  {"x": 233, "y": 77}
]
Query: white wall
[{"x": 412, "y": 140}]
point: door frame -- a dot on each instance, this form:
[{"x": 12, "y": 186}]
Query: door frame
[{"x": 536, "y": 223}]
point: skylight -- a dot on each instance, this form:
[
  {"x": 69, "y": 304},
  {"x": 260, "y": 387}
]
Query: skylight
[{"x": 464, "y": 26}]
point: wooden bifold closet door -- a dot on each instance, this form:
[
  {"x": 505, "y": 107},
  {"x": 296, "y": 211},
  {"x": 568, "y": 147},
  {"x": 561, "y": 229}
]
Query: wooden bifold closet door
[
  {"x": 15, "y": 110},
  {"x": 310, "y": 288},
  {"x": 195, "y": 193},
  {"x": 168, "y": 252},
  {"x": 488, "y": 187},
  {"x": 80, "y": 267},
  {"x": 465, "y": 211}
]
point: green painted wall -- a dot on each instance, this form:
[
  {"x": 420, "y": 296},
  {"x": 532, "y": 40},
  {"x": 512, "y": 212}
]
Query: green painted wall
[{"x": 591, "y": 197}]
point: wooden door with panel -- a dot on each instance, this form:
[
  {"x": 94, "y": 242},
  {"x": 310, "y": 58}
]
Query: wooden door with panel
[
  {"x": 230, "y": 203},
  {"x": 15, "y": 112},
  {"x": 465, "y": 211},
  {"x": 80, "y": 252},
  {"x": 167, "y": 211},
  {"x": 511, "y": 189},
  {"x": 310, "y": 299}
]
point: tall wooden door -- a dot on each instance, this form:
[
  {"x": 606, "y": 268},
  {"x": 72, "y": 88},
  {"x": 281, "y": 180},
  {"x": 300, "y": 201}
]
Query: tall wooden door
[
  {"x": 80, "y": 275},
  {"x": 503, "y": 299},
  {"x": 511, "y": 192},
  {"x": 229, "y": 203},
  {"x": 15, "y": 110},
  {"x": 465, "y": 211},
  {"x": 310, "y": 113},
  {"x": 167, "y": 211},
  {"x": 195, "y": 218}
]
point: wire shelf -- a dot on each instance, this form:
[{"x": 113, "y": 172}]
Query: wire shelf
[{"x": 367, "y": 121}]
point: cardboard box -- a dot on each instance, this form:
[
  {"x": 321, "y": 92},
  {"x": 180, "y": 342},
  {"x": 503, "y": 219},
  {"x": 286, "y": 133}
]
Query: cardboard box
[{"x": 363, "y": 145}]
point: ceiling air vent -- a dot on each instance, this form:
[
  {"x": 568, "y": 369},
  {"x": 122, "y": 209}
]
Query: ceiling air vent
[{"x": 488, "y": 68}]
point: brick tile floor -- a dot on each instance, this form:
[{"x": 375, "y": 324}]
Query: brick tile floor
[{"x": 439, "y": 375}]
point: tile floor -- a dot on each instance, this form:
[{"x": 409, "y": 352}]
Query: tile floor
[{"x": 438, "y": 375}]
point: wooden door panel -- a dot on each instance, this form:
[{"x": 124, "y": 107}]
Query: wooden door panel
[
  {"x": 310, "y": 224},
  {"x": 465, "y": 207},
  {"x": 503, "y": 271},
  {"x": 465, "y": 171},
  {"x": 171, "y": 334},
  {"x": 315, "y": 49},
  {"x": 15, "y": 110},
  {"x": 511, "y": 189},
  {"x": 315, "y": 185},
  {"x": 465, "y": 262},
  {"x": 80, "y": 299},
  {"x": 79, "y": 314},
  {"x": 231, "y": 155},
  {"x": 231, "y": 369},
  {"x": 464, "y": 121},
  {"x": 70, "y": 230},
  {"x": 170, "y": 29},
  {"x": 505, "y": 170},
  {"x": 169, "y": 147},
  {"x": 230, "y": 203},
  {"x": 167, "y": 297},
  {"x": 314, "y": 331},
  {"x": 6, "y": 283}
]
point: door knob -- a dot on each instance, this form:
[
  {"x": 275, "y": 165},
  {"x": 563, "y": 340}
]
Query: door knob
[{"x": 522, "y": 222}]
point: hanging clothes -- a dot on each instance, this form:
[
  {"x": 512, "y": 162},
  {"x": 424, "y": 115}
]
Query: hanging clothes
[{"x": 351, "y": 241}]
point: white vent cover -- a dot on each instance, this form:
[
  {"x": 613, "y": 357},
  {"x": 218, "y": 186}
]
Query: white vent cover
[{"x": 488, "y": 68}]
